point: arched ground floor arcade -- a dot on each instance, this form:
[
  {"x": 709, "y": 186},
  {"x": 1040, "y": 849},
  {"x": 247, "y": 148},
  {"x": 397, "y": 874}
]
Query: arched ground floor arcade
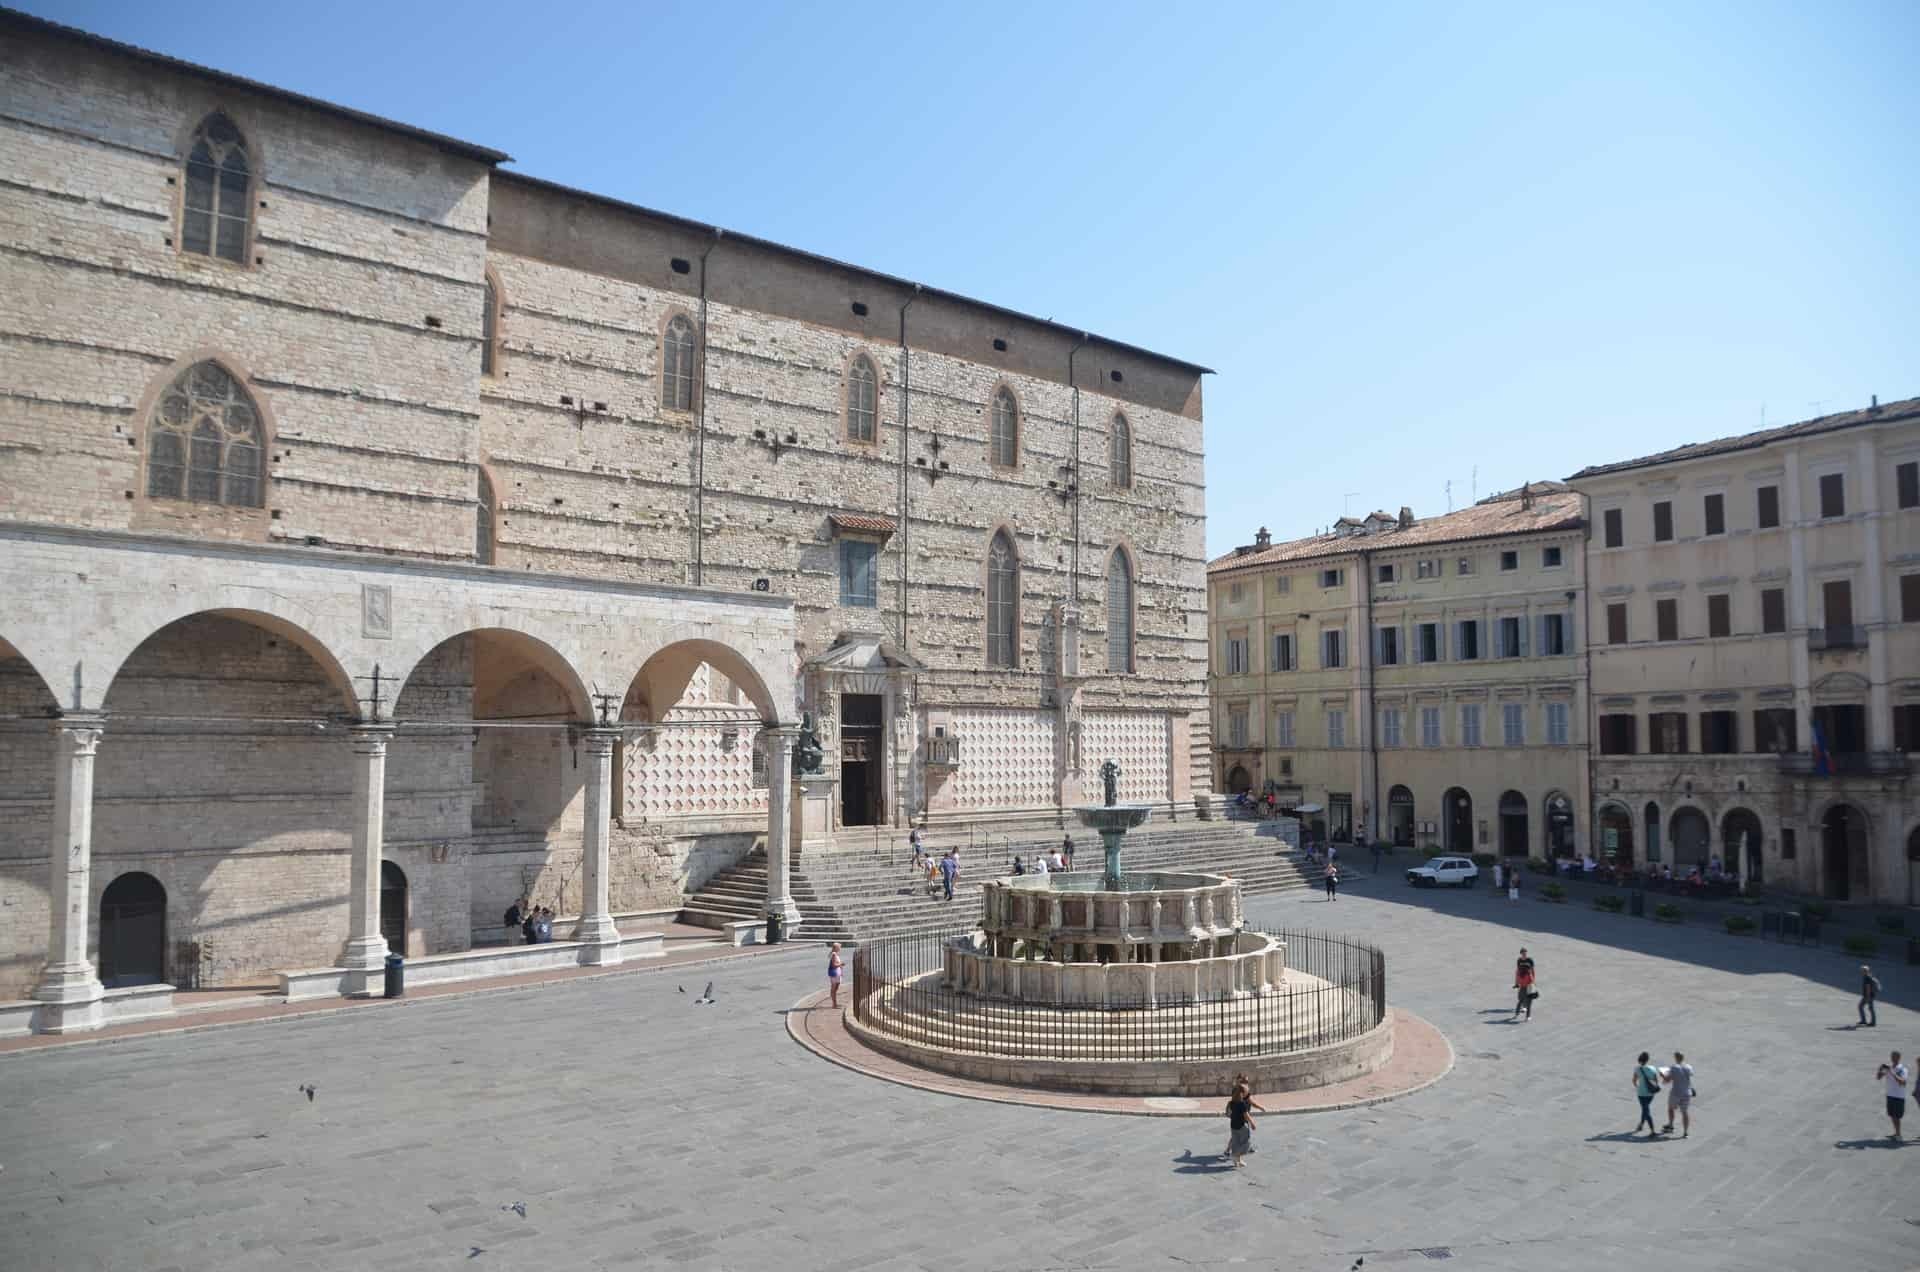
[
  {"x": 1847, "y": 838},
  {"x": 222, "y": 761}
]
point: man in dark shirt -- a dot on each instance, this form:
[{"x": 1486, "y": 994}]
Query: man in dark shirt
[
  {"x": 949, "y": 867},
  {"x": 1869, "y": 994}
]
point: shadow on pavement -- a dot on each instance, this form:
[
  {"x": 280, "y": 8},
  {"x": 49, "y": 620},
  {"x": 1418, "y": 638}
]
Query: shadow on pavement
[
  {"x": 1188, "y": 1164},
  {"x": 1693, "y": 942},
  {"x": 1879, "y": 1141},
  {"x": 1629, "y": 1137}
]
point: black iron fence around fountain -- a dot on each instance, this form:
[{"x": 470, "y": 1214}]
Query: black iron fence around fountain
[{"x": 1337, "y": 991}]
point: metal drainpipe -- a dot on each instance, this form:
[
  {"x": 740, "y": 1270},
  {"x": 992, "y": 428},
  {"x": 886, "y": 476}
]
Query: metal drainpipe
[
  {"x": 1586, "y": 650},
  {"x": 1073, "y": 593},
  {"x": 700, "y": 439},
  {"x": 906, "y": 407},
  {"x": 1373, "y": 712}
]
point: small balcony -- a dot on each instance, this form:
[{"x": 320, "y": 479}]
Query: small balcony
[
  {"x": 1836, "y": 638},
  {"x": 943, "y": 752},
  {"x": 1848, "y": 764}
]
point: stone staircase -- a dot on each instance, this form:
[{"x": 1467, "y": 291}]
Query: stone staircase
[{"x": 861, "y": 896}]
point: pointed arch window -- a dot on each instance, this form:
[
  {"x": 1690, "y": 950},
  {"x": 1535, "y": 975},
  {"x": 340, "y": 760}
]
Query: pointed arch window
[
  {"x": 676, "y": 365},
  {"x": 1006, "y": 429},
  {"x": 490, "y": 328},
  {"x": 1120, "y": 453},
  {"x": 863, "y": 390},
  {"x": 205, "y": 440},
  {"x": 216, "y": 207},
  {"x": 1003, "y": 602},
  {"x": 1119, "y": 613},
  {"x": 484, "y": 514}
]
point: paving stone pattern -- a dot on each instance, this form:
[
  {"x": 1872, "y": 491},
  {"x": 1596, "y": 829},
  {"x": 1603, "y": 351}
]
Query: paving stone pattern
[{"x": 641, "y": 1130}]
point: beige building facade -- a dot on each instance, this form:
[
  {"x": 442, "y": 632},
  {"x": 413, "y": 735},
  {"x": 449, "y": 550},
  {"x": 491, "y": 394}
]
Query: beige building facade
[
  {"x": 1755, "y": 610},
  {"x": 1419, "y": 680},
  {"x": 386, "y": 532}
]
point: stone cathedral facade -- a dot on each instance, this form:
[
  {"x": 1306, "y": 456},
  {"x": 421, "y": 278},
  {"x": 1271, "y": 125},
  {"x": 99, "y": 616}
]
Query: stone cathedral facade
[{"x": 313, "y": 423}]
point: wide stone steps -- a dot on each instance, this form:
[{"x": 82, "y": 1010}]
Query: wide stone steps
[{"x": 863, "y": 895}]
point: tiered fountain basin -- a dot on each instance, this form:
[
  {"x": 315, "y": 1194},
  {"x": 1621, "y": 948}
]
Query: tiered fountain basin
[{"x": 1083, "y": 939}]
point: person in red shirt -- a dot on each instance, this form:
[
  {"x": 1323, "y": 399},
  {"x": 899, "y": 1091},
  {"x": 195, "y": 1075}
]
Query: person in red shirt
[{"x": 1523, "y": 978}]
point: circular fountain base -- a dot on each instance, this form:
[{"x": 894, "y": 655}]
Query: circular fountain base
[{"x": 1125, "y": 985}]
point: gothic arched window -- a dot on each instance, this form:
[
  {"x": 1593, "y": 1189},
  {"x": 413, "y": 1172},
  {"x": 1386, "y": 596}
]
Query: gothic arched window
[
  {"x": 205, "y": 440},
  {"x": 217, "y": 203},
  {"x": 1120, "y": 453},
  {"x": 1119, "y": 613},
  {"x": 1006, "y": 430},
  {"x": 863, "y": 387},
  {"x": 490, "y": 328},
  {"x": 676, "y": 365},
  {"x": 1003, "y": 602},
  {"x": 484, "y": 514}
]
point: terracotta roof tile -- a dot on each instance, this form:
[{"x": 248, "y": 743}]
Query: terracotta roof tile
[
  {"x": 1499, "y": 515},
  {"x": 861, "y": 522},
  {"x": 1889, "y": 411}
]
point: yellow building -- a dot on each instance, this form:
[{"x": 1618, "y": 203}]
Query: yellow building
[
  {"x": 1418, "y": 680},
  {"x": 1750, "y": 596}
]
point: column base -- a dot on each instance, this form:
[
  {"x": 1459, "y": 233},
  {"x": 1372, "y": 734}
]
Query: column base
[
  {"x": 365, "y": 954},
  {"x": 601, "y": 938},
  {"x": 72, "y": 998},
  {"x": 789, "y": 912}
]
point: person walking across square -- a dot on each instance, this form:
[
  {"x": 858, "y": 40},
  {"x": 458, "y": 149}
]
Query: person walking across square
[
  {"x": 1679, "y": 1079},
  {"x": 1897, "y": 1078},
  {"x": 949, "y": 867},
  {"x": 1869, "y": 995},
  {"x": 1523, "y": 978},
  {"x": 1240, "y": 1124},
  {"x": 1646, "y": 1085},
  {"x": 1333, "y": 881}
]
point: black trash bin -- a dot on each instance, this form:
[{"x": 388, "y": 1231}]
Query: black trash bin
[
  {"x": 776, "y": 928},
  {"x": 396, "y": 976},
  {"x": 1637, "y": 904}
]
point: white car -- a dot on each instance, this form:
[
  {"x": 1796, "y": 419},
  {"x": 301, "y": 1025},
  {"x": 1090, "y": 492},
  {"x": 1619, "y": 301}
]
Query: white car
[{"x": 1459, "y": 871}]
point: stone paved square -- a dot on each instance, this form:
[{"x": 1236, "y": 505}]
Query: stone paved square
[{"x": 642, "y": 1131}]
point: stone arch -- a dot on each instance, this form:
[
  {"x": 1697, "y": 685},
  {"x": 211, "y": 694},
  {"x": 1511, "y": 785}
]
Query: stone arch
[
  {"x": 261, "y": 609},
  {"x": 188, "y": 139},
  {"x": 1615, "y": 833},
  {"x": 1400, "y": 817},
  {"x": 1513, "y": 824},
  {"x": 394, "y": 907},
  {"x": 1741, "y": 840},
  {"x": 1846, "y": 836},
  {"x": 1690, "y": 834},
  {"x": 663, "y": 677},
  {"x": 518, "y": 642},
  {"x": 1558, "y": 833},
  {"x": 1650, "y": 817},
  {"x": 496, "y": 712},
  {"x": 1456, "y": 820},
  {"x": 133, "y": 931},
  {"x": 1238, "y": 779},
  {"x": 1002, "y": 532}
]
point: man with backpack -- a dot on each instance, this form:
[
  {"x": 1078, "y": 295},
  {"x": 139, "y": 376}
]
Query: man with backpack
[{"x": 1869, "y": 995}]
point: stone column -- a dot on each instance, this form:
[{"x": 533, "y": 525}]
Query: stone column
[
  {"x": 1872, "y": 613},
  {"x": 596, "y": 929},
  {"x": 366, "y": 952},
  {"x": 780, "y": 740},
  {"x": 69, "y": 986}
]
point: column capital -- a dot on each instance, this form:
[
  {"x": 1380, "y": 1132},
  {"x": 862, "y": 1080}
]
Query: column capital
[
  {"x": 600, "y": 739},
  {"x": 80, "y": 730},
  {"x": 370, "y": 737}
]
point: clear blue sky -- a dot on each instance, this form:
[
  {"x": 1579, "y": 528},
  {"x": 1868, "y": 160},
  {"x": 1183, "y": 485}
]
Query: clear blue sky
[{"x": 1414, "y": 240}]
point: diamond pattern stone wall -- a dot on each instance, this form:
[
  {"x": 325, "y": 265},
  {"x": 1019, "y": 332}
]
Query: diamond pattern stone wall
[
  {"x": 1006, "y": 758},
  {"x": 1138, "y": 741}
]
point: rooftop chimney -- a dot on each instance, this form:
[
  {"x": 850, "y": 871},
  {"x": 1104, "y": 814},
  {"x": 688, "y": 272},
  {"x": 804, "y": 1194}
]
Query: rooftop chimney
[
  {"x": 1526, "y": 494},
  {"x": 1876, "y": 403},
  {"x": 1263, "y": 539},
  {"x": 1406, "y": 517}
]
